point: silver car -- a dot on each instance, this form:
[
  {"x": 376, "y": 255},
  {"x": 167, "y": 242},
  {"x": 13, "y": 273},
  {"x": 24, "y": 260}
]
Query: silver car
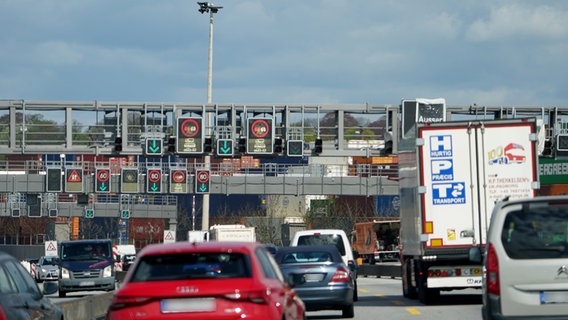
[
  {"x": 526, "y": 261},
  {"x": 47, "y": 268}
]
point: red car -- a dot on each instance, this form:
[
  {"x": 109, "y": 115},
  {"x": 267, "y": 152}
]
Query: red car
[{"x": 205, "y": 280}]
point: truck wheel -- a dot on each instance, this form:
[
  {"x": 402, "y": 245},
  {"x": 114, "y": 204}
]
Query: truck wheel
[
  {"x": 426, "y": 295},
  {"x": 408, "y": 291}
]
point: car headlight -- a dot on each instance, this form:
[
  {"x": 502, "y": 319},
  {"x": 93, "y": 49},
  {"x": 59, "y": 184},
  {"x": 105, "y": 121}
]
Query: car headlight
[
  {"x": 107, "y": 272},
  {"x": 64, "y": 273},
  {"x": 43, "y": 270}
]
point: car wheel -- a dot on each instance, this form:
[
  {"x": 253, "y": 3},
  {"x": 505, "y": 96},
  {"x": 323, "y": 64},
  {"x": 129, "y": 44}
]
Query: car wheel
[
  {"x": 348, "y": 311},
  {"x": 62, "y": 294},
  {"x": 355, "y": 292}
]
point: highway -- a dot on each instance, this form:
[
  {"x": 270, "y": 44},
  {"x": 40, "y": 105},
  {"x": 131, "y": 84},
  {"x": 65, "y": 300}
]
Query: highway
[{"x": 379, "y": 298}]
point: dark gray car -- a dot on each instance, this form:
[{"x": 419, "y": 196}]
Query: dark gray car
[
  {"x": 320, "y": 277},
  {"x": 20, "y": 297}
]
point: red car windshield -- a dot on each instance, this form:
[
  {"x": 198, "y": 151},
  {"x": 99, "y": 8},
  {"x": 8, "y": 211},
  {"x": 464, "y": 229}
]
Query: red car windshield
[{"x": 202, "y": 265}]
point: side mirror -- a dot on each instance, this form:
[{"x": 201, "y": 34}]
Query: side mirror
[
  {"x": 355, "y": 254},
  {"x": 50, "y": 287}
]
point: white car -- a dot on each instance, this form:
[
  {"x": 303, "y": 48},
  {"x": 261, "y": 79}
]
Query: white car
[{"x": 526, "y": 261}]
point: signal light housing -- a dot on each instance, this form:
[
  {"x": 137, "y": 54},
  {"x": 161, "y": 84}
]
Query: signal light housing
[
  {"x": 171, "y": 144},
  {"x": 319, "y": 146},
  {"x": 278, "y": 147},
  {"x": 208, "y": 145},
  {"x": 242, "y": 146},
  {"x": 118, "y": 144}
]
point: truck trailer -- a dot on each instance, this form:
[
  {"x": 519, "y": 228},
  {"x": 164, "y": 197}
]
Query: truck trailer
[{"x": 451, "y": 174}]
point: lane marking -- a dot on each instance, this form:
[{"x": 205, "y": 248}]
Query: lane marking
[{"x": 412, "y": 311}]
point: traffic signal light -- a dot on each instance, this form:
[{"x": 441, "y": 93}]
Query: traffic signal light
[
  {"x": 225, "y": 147},
  {"x": 154, "y": 147},
  {"x": 278, "y": 148},
  {"x": 125, "y": 214},
  {"x": 242, "y": 145},
  {"x": 207, "y": 145},
  {"x": 295, "y": 148},
  {"x": 319, "y": 146},
  {"x": 118, "y": 144},
  {"x": 89, "y": 213},
  {"x": 172, "y": 144}
]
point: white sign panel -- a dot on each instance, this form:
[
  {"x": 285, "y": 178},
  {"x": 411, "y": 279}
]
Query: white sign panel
[
  {"x": 169, "y": 236},
  {"x": 51, "y": 248}
]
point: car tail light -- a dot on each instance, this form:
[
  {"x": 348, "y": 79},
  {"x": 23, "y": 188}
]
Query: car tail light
[
  {"x": 254, "y": 296},
  {"x": 492, "y": 271},
  {"x": 2, "y": 314},
  {"x": 126, "y": 302},
  {"x": 340, "y": 275}
]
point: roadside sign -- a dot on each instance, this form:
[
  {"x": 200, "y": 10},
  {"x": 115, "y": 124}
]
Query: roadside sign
[
  {"x": 51, "y": 248},
  {"x": 202, "y": 183},
  {"x": 260, "y": 136},
  {"x": 178, "y": 181},
  {"x": 74, "y": 180},
  {"x": 102, "y": 180},
  {"x": 169, "y": 236},
  {"x": 129, "y": 180},
  {"x": 189, "y": 136},
  {"x": 154, "y": 181}
]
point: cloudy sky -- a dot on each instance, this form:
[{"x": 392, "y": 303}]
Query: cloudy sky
[{"x": 286, "y": 51}]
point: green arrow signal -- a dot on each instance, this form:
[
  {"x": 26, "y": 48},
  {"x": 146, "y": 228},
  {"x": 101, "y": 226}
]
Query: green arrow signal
[
  {"x": 226, "y": 148},
  {"x": 203, "y": 187},
  {"x": 154, "y": 187},
  {"x": 102, "y": 187},
  {"x": 154, "y": 147}
]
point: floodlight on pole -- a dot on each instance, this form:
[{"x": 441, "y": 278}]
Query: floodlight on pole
[{"x": 211, "y": 9}]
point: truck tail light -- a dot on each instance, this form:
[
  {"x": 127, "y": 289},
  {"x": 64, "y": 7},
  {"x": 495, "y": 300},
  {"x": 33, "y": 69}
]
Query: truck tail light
[{"x": 492, "y": 271}]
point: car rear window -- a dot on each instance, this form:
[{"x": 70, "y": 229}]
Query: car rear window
[
  {"x": 536, "y": 233},
  {"x": 323, "y": 239},
  {"x": 306, "y": 257},
  {"x": 192, "y": 266}
]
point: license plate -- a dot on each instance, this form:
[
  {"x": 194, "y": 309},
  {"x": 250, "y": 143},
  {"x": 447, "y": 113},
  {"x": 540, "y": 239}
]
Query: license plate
[
  {"x": 86, "y": 283},
  {"x": 187, "y": 305},
  {"x": 551, "y": 297},
  {"x": 313, "y": 277}
]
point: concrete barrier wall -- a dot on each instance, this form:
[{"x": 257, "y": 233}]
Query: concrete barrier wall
[
  {"x": 87, "y": 308},
  {"x": 379, "y": 270}
]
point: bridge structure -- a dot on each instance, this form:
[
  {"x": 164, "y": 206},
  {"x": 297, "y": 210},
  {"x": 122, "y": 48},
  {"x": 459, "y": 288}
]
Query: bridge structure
[{"x": 136, "y": 157}]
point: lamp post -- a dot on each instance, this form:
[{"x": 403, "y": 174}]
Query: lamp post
[{"x": 211, "y": 9}]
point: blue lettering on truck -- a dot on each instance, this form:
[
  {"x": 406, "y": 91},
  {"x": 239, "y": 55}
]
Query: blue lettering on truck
[{"x": 442, "y": 169}]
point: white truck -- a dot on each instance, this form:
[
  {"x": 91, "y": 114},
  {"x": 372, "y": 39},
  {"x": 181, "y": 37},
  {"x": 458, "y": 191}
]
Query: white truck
[
  {"x": 224, "y": 232},
  {"x": 451, "y": 174}
]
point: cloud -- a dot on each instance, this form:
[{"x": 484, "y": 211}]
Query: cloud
[{"x": 519, "y": 21}]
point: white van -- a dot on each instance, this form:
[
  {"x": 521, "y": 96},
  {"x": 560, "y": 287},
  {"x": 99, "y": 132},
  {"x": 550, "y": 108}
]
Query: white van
[{"x": 335, "y": 237}]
